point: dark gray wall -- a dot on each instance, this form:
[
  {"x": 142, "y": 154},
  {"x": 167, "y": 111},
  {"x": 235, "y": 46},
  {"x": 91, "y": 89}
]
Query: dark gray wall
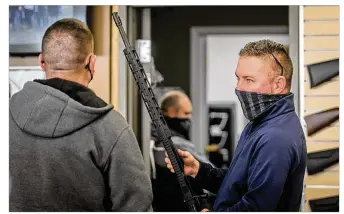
[{"x": 171, "y": 28}]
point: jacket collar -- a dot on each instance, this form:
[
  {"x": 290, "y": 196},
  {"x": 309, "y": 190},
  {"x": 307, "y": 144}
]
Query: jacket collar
[{"x": 280, "y": 107}]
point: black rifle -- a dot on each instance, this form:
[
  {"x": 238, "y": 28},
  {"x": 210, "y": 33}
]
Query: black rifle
[
  {"x": 320, "y": 120},
  {"x": 323, "y": 71},
  {"x": 320, "y": 160},
  {"x": 164, "y": 134},
  {"x": 328, "y": 204}
]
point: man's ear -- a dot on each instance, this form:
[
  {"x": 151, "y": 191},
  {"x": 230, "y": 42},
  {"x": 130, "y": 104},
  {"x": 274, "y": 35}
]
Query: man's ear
[
  {"x": 280, "y": 84},
  {"x": 41, "y": 62},
  {"x": 93, "y": 63}
]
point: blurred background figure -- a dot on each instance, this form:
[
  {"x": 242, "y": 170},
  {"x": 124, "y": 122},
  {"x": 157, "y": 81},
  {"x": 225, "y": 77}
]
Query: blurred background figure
[
  {"x": 12, "y": 15},
  {"x": 29, "y": 11},
  {"x": 34, "y": 16},
  {"x": 41, "y": 16},
  {"x": 54, "y": 12},
  {"x": 177, "y": 110}
]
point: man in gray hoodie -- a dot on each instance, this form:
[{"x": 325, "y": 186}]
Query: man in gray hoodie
[{"x": 69, "y": 150}]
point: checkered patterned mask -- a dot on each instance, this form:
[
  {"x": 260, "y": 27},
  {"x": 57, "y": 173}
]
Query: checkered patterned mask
[{"x": 253, "y": 104}]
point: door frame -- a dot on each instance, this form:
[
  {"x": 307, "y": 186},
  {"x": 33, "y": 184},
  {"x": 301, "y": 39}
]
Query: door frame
[{"x": 198, "y": 71}]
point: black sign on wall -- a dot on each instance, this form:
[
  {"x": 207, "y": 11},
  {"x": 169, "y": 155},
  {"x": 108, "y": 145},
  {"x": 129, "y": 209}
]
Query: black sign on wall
[{"x": 221, "y": 133}]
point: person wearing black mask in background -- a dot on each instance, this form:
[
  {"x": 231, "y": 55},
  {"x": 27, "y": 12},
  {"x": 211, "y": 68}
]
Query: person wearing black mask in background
[{"x": 167, "y": 196}]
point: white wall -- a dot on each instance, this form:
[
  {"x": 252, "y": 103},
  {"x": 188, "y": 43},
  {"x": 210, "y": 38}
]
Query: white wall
[{"x": 222, "y": 56}]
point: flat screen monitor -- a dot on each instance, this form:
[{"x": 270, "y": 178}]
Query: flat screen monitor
[{"x": 27, "y": 24}]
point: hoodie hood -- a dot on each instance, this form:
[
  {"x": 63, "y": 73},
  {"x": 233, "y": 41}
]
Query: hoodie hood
[{"x": 43, "y": 109}]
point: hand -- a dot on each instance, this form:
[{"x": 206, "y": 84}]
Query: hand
[
  {"x": 191, "y": 165},
  {"x": 205, "y": 210}
]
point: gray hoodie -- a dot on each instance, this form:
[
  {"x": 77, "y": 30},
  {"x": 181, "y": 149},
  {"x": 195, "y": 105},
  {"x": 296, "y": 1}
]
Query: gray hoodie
[{"x": 65, "y": 156}]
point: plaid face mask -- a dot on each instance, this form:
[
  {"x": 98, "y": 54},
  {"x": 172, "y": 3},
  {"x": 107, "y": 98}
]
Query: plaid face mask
[{"x": 253, "y": 104}]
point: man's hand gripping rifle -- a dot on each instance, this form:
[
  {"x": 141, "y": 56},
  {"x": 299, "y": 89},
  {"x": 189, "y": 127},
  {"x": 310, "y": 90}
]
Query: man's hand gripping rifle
[{"x": 158, "y": 120}]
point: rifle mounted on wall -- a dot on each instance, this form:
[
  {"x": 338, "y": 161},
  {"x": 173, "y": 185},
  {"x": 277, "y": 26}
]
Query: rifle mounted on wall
[
  {"x": 155, "y": 114},
  {"x": 327, "y": 204},
  {"x": 323, "y": 71},
  {"x": 320, "y": 160},
  {"x": 317, "y": 121}
]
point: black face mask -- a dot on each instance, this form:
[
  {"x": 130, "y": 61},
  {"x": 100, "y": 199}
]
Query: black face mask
[
  {"x": 180, "y": 125},
  {"x": 254, "y": 104},
  {"x": 87, "y": 66}
]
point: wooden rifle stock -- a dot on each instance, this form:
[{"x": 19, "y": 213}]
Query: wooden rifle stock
[{"x": 320, "y": 120}]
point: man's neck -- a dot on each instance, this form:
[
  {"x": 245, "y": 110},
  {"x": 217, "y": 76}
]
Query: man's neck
[
  {"x": 70, "y": 76},
  {"x": 285, "y": 91}
]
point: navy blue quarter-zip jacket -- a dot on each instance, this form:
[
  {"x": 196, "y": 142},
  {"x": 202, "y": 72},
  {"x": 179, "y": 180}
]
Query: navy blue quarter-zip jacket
[{"x": 268, "y": 167}]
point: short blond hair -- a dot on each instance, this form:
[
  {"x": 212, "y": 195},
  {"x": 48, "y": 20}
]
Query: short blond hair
[{"x": 270, "y": 49}]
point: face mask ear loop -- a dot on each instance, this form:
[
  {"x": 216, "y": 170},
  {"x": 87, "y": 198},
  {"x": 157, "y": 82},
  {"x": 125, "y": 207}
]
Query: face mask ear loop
[{"x": 87, "y": 66}]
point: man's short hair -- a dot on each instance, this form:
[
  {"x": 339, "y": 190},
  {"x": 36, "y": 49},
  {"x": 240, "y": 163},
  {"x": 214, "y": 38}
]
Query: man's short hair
[
  {"x": 271, "y": 49},
  {"x": 66, "y": 44},
  {"x": 170, "y": 100}
]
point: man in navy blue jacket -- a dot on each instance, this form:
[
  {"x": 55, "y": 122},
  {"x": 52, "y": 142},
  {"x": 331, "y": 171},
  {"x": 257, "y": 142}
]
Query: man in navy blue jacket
[{"x": 268, "y": 167}]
